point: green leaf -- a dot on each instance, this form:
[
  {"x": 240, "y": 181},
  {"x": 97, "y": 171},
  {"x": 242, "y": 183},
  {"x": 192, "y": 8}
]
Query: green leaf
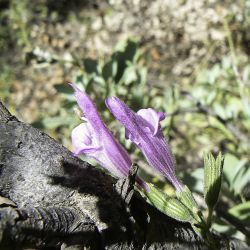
[
  {"x": 241, "y": 180},
  {"x": 90, "y": 65},
  {"x": 123, "y": 57},
  {"x": 168, "y": 205},
  {"x": 212, "y": 178},
  {"x": 143, "y": 75},
  {"x": 225, "y": 228},
  {"x": 195, "y": 179},
  {"x": 64, "y": 88},
  {"x": 67, "y": 92},
  {"x": 58, "y": 121},
  {"x": 109, "y": 70},
  {"x": 232, "y": 168},
  {"x": 241, "y": 212},
  {"x": 130, "y": 75}
]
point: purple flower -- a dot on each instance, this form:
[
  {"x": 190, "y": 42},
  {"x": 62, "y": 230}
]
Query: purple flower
[
  {"x": 143, "y": 128},
  {"x": 95, "y": 140}
]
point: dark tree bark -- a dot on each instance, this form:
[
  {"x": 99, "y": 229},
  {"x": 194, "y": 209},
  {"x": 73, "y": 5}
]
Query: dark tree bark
[{"x": 51, "y": 199}]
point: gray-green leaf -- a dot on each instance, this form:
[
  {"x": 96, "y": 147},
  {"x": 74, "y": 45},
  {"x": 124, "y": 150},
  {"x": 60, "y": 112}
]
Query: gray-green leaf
[{"x": 186, "y": 197}]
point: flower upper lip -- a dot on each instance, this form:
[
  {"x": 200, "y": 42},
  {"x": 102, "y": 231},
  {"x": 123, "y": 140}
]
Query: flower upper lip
[{"x": 88, "y": 108}]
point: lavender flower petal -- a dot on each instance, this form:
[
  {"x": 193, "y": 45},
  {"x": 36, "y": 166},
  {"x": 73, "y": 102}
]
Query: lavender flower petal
[
  {"x": 151, "y": 119},
  {"x": 144, "y": 130}
]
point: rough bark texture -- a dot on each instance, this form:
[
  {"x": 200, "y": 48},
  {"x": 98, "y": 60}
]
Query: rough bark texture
[{"x": 51, "y": 199}]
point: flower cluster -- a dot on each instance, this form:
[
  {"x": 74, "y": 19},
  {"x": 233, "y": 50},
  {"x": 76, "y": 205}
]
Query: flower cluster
[{"x": 143, "y": 128}]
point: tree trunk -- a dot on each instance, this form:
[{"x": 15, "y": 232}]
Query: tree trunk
[{"x": 51, "y": 199}]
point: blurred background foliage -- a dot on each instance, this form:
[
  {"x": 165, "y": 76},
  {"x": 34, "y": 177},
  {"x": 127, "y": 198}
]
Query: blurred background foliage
[{"x": 189, "y": 59}]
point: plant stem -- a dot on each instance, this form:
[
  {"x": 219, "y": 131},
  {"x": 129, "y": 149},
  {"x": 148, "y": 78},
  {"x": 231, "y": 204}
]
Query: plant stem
[{"x": 209, "y": 217}]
